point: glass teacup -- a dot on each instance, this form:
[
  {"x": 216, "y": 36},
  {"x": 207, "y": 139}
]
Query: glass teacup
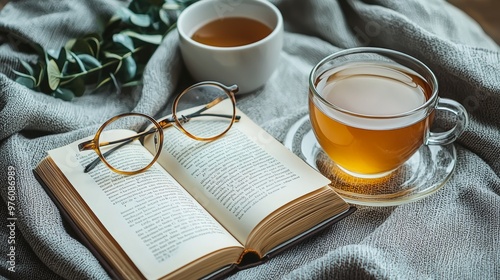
[{"x": 371, "y": 109}]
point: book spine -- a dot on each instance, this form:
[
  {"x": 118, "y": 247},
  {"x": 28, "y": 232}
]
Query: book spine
[{"x": 79, "y": 234}]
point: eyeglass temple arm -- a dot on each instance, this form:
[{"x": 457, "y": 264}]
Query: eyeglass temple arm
[
  {"x": 200, "y": 111},
  {"x": 90, "y": 145},
  {"x": 94, "y": 163},
  {"x": 168, "y": 121},
  {"x": 85, "y": 146}
]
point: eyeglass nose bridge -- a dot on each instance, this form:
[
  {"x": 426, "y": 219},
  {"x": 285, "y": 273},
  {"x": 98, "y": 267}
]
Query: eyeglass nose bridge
[
  {"x": 166, "y": 123},
  {"x": 171, "y": 122}
]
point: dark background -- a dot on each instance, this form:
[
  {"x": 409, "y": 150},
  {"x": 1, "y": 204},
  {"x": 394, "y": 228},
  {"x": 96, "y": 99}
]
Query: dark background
[{"x": 485, "y": 12}]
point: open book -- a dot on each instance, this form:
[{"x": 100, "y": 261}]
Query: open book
[{"x": 203, "y": 209}]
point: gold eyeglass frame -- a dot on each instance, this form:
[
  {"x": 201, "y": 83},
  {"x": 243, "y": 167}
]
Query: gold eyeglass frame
[{"x": 159, "y": 126}]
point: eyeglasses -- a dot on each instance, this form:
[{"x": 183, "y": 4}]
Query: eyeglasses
[{"x": 204, "y": 111}]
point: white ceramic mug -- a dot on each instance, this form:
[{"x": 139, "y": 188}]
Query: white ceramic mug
[{"x": 248, "y": 66}]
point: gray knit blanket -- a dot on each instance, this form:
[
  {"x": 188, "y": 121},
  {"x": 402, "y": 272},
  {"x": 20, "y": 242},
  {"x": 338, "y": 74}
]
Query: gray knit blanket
[{"x": 452, "y": 234}]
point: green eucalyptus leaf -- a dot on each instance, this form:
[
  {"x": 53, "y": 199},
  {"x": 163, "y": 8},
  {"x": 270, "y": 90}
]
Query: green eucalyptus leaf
[
  {"x": 140, "y": 20},
  {"x": 151, "y": 39},
  {"x": 77, "y": 86},
  {"x": 132, "y": 83},
  {"x": 93, "y": 67},
  {"x": 78, "y": 62},
  {"x": 64, "y": 94},
  {"x": 157, "y": 26},
  {"x": 62, "y": 58},
  {"x": 89, "y": 61},
  {"x": 43, "y": 81},
  {"x": 164, "y": 17},
  {"x": 128, "y": 69},
  {"x": 64, "y": 69},
  {"x": 113, "y": 20},
  {"x": 53, "y": 74},
  {"x": 69, "y": 44},
  {"x": 124, "y": 41},
  {"x": 124, "y": 14},
  {"x": 27, "y": 67},
  {"x": 27, "y": 81},
  {"x": 72, "y": 69}
]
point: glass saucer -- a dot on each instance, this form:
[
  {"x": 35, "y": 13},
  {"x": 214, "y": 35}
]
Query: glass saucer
[{"x": 423, "y": 174}]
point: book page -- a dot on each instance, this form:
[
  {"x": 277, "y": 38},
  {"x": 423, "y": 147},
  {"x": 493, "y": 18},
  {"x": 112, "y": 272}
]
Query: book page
[
  {"x": 155, "y": 221},
  {"x": 241, "y": 177}
]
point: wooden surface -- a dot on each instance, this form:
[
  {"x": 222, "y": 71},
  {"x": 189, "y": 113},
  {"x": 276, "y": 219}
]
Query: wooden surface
[{"x": 485, "y": 12}]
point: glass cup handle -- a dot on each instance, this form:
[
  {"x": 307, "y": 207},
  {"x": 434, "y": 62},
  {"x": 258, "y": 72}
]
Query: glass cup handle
[{"x": 462, "y": 120}]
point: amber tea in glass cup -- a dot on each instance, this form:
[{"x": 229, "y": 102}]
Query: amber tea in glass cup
[{"x": 371, "y": 109}]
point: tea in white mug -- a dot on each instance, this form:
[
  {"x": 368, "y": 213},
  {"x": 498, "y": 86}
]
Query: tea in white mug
[
  {"x": 231, "y": 32},
  {"x": 238, "y": 45}
]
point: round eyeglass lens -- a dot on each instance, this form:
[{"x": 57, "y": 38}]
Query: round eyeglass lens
[
  {"x": 121, "y": 143},
  {"x": 205, "y": 111}
]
